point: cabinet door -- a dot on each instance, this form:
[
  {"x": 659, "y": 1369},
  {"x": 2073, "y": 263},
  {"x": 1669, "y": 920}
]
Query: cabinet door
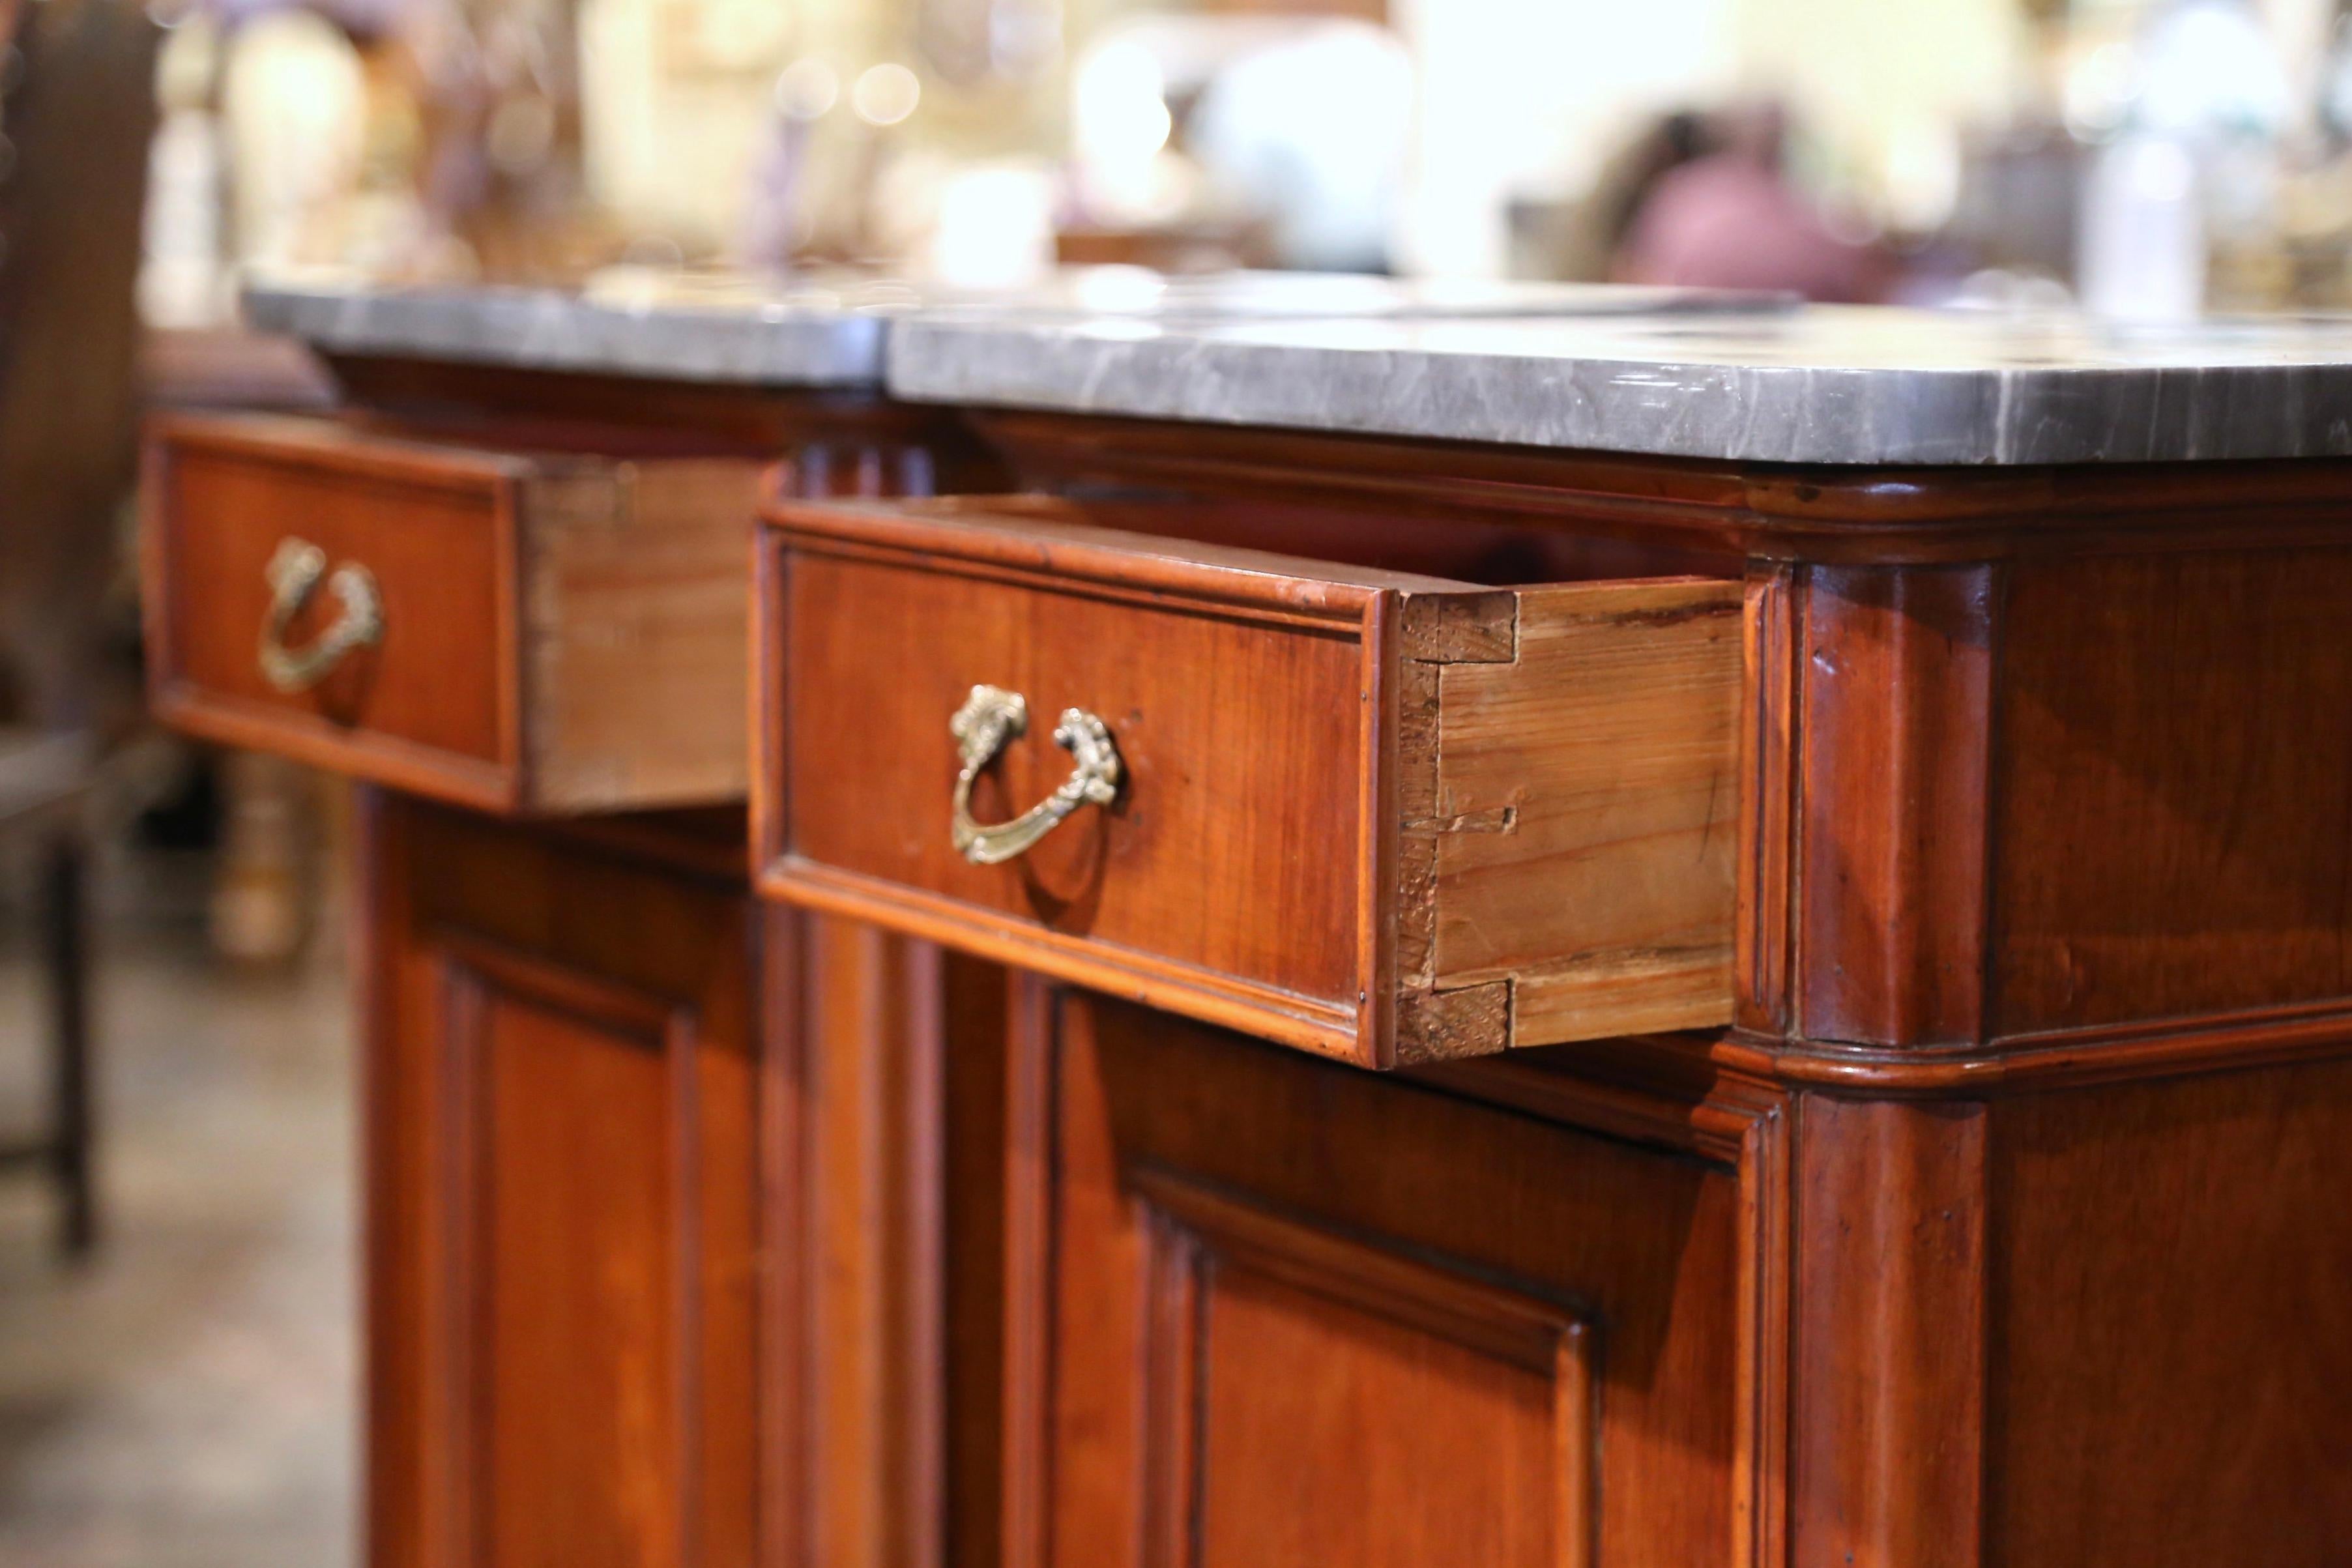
[
  {"x": 564, "y": 1099},
  {"x": 1271, "y": 1310}
]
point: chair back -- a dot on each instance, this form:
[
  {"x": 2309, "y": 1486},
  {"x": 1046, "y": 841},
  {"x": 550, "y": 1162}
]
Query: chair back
[{"x": 78, "y": 115}]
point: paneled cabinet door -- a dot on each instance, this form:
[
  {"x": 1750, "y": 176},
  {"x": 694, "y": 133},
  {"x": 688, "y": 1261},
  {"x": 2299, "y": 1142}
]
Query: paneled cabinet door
[
  {"x": 1269, "y": 1311},
  {"x": 563, "y": 1101}
]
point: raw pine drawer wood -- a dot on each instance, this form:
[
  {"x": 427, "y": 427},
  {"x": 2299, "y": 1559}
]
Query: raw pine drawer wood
[
  {"x": 526, "y": 632},
  {"x": 1390, "y": 817}
]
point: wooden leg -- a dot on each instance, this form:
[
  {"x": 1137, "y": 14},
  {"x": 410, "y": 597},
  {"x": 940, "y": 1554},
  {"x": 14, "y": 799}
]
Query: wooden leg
[{"x": 66, "y": 950}]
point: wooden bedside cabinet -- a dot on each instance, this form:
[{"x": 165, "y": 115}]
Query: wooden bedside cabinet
[
  {"x": 515, "y": 607},
  {"x": 1851, "y": 1261},
  {"x": 1289, "y": 998}
]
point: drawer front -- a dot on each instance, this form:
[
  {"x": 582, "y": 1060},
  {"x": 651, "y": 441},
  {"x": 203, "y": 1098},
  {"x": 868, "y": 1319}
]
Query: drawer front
[
  {"x": 1236, "y": 850},
  {"x": 421, "y": 706},
  {"x": 1387, "y": 817},
  {"x": 557, "y": 634}
]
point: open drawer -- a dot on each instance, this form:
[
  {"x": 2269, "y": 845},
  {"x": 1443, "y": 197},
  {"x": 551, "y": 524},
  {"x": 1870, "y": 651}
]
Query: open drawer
[
  {"x": 1390, "y": 816},
  {"x": 520, "y": 631}
]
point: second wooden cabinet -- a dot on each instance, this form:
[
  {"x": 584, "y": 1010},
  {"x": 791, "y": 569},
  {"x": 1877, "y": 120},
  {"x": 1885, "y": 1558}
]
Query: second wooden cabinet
[{"x": 566, "y": 1213}]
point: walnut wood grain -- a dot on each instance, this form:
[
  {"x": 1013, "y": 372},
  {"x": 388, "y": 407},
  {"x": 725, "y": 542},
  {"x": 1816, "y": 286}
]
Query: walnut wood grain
[
  {"x": 2003, "y": 1226},
  {"x": 2172, "y": 734},
  {"x": 1727, "y": 511},
  {"x": 1288, "y": 1309},
  {"x": 1237, "y": 1288},
  {"x": 873, "y": 1188},
  {"x": 1887, "y": 1374},
  {"x": 837, "y": 442},
  {"x": 2168, "y": 1329},
  {"x": 1763, "y": 939},
  {"x": 1891, "y": 782},
  {"x": 564, "y": 1221},
  {"x": 888, "y": 1242},
  {"x": 2002, "y": 820}
]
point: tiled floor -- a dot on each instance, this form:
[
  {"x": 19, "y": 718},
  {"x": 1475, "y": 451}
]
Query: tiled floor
[{"x": 187, "y": 1401}]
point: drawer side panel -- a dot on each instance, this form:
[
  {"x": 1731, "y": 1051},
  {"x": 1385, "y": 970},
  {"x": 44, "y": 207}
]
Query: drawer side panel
[
  {"x": 635, "y": 626},
  {"x": 1588, "y": 796}
]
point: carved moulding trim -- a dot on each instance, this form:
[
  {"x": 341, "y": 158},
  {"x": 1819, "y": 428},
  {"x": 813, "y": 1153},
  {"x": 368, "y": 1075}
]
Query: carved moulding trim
[{"x": 2104, "y": 1052}]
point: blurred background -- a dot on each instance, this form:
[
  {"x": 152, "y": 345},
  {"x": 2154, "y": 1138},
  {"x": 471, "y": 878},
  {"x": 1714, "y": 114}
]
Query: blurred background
[
  {"x": 2147, "y": 155},
  {"x": 177, "y": 1334}
]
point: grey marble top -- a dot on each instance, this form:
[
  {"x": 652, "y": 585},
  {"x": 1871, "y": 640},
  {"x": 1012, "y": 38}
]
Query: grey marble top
[
  {"x": 1822, "y": 384},
  {"x": 828, "y": 330},
  {"x": 1674, "y": 373},
  {"x": 678, "y": 327}
]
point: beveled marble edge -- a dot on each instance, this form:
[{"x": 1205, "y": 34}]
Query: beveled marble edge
[
  {"x": 827, "y": 328},
  {"x": 1755, "y": 382},
  {"x": 1808, "y": 388},
  {"x": 782, "y": 344}
]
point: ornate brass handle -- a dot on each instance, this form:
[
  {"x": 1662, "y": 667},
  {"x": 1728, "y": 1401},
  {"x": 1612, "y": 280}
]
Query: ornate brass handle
[
  {"x": 294, "y": 575},
  {"x": 991, "y": 717}
]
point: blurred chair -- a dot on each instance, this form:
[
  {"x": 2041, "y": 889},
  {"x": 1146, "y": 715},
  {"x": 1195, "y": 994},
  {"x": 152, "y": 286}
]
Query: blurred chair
[
  {"x": 76, "y": 115},
  {"x": 44, "y": 785}
]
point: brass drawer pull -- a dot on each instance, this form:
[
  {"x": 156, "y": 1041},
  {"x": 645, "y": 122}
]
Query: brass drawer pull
[
  {"x": 989, "y": 718},
  {"x": 294, "y": 575}
]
